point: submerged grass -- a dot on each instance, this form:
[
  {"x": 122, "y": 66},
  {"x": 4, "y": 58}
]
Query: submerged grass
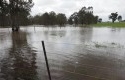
[{"x": 109, "y": 24}]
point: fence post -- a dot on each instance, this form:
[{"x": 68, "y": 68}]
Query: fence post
[{"x": 47, "y": 65}]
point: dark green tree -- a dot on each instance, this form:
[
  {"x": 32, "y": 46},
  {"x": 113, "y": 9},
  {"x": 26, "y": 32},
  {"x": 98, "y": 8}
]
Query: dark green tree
[
  {"x": 70, "y": 20},
  {"x": 3, "y": 12},
  {"x": 37, "y": 19},
  {"x": 85, "y": 16},
  {"x": 52, "y": 16},
  {"x": 50, "y": 19},
  {"x": 74, "y": 16},
  {"x": 113, "y": 16},
  {"x": 16, "y": 8},
  {"x": 95, "y": 21},
  {"x": 61, "y": 19},
  {"x": 89, "y": 18},
  {"x": 81, "y": 15},
  {"x": 46, "y": 19}
]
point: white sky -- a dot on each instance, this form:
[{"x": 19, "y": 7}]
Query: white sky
[{"x": 102, "y": 8}]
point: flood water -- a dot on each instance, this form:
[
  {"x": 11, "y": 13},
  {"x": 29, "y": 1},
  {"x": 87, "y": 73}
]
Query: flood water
[{"x": 74, "y": 53}]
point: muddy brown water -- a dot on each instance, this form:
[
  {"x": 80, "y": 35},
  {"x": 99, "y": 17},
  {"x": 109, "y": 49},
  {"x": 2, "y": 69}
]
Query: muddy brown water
[{"x": 74, "y": 53}]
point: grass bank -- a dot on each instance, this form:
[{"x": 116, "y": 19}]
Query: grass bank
[{"x": 109, "y": 24}]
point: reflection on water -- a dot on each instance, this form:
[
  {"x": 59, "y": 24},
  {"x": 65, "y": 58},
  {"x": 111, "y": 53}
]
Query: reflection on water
[
  {"x": 19, "y": 64},
  {"x": 74, "y": 53}
]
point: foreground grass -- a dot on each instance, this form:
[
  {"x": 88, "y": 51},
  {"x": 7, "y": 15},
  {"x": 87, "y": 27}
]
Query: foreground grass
[{"x": 109, "y": 24}]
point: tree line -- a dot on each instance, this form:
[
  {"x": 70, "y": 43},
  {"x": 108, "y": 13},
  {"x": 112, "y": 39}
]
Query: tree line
[
  {"x": 50, "y": 18},
  {"x": 84, "y": 16},
  {"x": 17, "y": 12}
]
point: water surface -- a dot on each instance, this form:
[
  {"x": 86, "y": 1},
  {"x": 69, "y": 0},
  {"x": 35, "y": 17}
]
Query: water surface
[{"x": 74, "y": 53}]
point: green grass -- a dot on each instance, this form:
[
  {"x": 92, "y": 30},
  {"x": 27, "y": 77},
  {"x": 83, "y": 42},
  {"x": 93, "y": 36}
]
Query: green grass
[{"x": 109, "y": 24}]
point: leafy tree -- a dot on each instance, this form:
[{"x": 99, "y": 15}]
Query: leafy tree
[
  {"x": 89, "y": 18},
  {"x": 70, "y": 21},
  {"x": 14, "y": 12},
  {"x": 61, "y": 19},
  {"x": 74, "y": 17},
  {"x": 84, "y": 16},
  {"x": 81, "y": 15},
  {"x": 3, "y": 11},
  {"x": 95, "y": 19},
  {"x": 119, "y": 18},
  {"x": 18, "y": 7},
  {"x": 113, "y": 16},
  {"x": 52, "y": 19},
  {"x": 46, "y": 19},
  {"x": 37, "y": 19},
  {"x": 90, "y": 9}
]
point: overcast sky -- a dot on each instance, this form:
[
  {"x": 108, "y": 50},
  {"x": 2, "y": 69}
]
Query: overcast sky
[{"x": 102, "y": 8}]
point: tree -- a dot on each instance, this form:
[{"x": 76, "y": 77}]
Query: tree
[
  {"x": 95, "y": 19},
  {"x": 113, "y": 16},
  {"x": 100, "y": 20},
  {"x": 85, "y": 16},
  {"x": 81, "y": 15},
  {"x": 3, "y": 11},
  {"x": 70, "y": 20},
  {"x": 46, "y": 19},
  {"x": 74, "y": 17},
  {"x": 119, "y": 18},
  {"x": 52, "y": 19},
  {"x": 61, "y": 19},
  {"x": 37, "y": 19},
  {"x": 17, "y": 7},
  {"x": 14, "y": 12}
]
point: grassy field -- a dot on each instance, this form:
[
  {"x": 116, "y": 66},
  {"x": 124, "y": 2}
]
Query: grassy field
[{"x": 109, "y": 24}]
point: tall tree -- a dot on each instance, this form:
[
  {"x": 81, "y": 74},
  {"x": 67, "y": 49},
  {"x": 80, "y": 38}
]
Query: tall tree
[
  {"x": 3, "y": 11},
  {"x": 18, "y": 7},
  {"x": 70, "y": 20},
  {"x": 85, "y": 16},
  {"x": 61, "y": 19},
  {"x": 46, "y": 19},
  {"x": 52, "y": 19},
  {"x": 81, "y": 15},
  {"x": 113, "y": 16},
  {"x": 74, "y": 17}
]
